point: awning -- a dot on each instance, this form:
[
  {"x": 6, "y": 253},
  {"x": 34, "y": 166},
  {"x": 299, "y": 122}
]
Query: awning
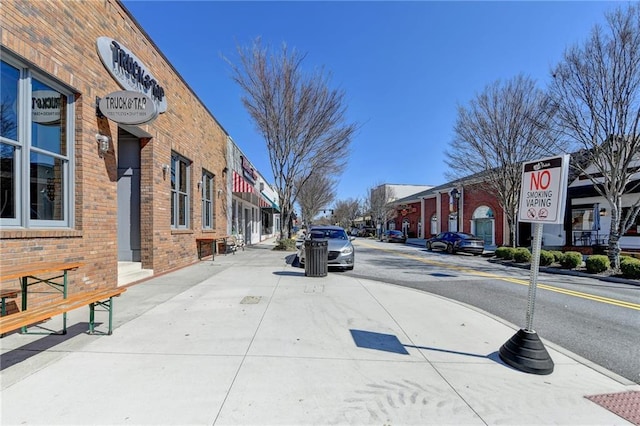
[
  {"x": 240, "y": 184},
  {"x": 271, "y": 204}
]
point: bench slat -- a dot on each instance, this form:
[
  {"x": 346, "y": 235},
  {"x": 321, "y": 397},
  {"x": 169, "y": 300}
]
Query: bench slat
[
  {"x": 18, "y": 271},
  {"x": 31, "y": 316}
]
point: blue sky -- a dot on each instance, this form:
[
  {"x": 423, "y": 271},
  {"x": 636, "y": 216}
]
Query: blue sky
[{"x": 404, "y": 66}]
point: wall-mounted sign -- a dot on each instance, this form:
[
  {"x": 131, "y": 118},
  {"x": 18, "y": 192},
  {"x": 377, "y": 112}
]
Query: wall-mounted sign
[
  {"x": 543, "y": 191},
  {"x": 130, "y": 72},
  {"x": 247, "y": 170},
  {"x": 127, "y": 107},
  {"x": 45, "y": 106}
]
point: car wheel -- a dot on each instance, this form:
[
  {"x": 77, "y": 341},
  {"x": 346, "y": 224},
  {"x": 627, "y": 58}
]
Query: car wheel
[
  {"x": 429, "y": 246},
  {"x": 450, "y": 249}
]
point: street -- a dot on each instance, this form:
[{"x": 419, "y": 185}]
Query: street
[{"x": 597, "y": 320}]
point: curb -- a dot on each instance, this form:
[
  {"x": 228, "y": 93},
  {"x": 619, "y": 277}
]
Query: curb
[{"x": 556, "y": 271}]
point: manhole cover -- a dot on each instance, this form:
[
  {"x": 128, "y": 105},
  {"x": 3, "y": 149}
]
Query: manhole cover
[
  {"x": 250, "y": 300},
  {"x": 624, "y": 404}
]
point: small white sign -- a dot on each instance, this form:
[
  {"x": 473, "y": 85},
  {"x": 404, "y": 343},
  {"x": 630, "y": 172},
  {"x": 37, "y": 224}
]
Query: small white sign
[
  {"x": 127, "y": 107},
  {"x": 543, "y": 191}
]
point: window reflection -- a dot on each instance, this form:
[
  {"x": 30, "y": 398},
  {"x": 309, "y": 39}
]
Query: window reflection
[
  {"x": 7, "y": 182},
  {"x": 46, "y": 183},
  {"x": 47, "y": 127},
  {"x": 9, "y": 77}
]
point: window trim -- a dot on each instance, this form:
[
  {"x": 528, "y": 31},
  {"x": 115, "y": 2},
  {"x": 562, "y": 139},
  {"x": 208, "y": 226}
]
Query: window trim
[
  {"x": 175, "y": 193},
  {"x": 208, "y": 176},
  {"x": 23, "y": 149}
]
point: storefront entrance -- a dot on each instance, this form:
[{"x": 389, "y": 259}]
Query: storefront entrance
[{"x": 129, "y": 246}]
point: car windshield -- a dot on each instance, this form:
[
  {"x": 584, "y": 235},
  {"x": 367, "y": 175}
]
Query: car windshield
[{"x": 338, "y": 234}]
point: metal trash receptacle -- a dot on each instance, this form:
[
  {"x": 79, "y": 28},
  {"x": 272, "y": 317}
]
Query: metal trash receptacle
[{"x": 316, "y": 258}]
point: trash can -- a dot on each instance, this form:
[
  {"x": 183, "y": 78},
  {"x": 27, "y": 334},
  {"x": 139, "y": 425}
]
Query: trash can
[{"x": 316, "y": 258}]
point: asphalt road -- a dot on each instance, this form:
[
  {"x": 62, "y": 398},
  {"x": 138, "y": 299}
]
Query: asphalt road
[{"x": 597, "y": 320}]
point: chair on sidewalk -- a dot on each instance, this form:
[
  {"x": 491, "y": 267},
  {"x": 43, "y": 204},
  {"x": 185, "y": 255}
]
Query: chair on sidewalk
[{"x": 234, "y": 242}]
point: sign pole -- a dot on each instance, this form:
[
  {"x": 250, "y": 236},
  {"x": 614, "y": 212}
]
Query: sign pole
[
  {"x": 533, "y": 280},
  {"x": 542, "y": 200}
]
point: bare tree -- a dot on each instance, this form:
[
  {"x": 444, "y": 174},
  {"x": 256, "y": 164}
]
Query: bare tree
[
  {"x": 346, "y": 211},
  {"x": 378, "y": 200},
  {"x": 8, "y": 120},
  {"x": 314, "y": 194},
  {"x": 596, "y": 87},
  {"x": 302, "y": 120},
  {"x": 508, "y": 123}
]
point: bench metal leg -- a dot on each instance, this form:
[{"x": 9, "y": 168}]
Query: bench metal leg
[{"x": 108, "y": 306}]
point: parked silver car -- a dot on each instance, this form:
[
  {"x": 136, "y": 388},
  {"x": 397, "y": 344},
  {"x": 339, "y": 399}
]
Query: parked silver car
[{"x": 341, "y": 252}]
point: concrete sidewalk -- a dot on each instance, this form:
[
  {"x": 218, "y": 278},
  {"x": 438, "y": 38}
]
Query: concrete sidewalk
[{"x": 247, "y": 339}]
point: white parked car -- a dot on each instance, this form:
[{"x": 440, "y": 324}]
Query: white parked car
[{"x": 341, "y": 253}]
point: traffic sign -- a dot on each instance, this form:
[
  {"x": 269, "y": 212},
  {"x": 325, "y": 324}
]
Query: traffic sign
[{"x": 543, "y": 190}]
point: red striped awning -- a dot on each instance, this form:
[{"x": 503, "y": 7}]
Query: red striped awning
[{"x": 240, "y": 184}]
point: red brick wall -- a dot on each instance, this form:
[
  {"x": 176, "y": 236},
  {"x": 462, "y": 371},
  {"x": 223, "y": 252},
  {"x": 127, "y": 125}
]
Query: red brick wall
[
  {"x": 429, "y": 211},
  {"x": 59, "y": 37},
  {"x": 410, "y": 212}
]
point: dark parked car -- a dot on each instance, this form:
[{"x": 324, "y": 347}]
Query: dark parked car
[
  {"x": 456, "y": 241},
  {"x": 394, "y": 237}
]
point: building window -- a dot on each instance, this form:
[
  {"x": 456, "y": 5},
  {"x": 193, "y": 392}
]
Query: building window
[
  {"x": 634, "y": 230},
  {"x": 36, "y": 149},
  {"x": 208, "y": 218},
  {"x": 582, "y": 219},
  {"x": 180, "y": 190}
]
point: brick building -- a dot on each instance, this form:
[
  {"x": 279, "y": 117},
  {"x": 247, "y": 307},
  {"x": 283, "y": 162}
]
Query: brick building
[
  {"x": 136, "y": 180},
  {"x": 463, "y": 206}
]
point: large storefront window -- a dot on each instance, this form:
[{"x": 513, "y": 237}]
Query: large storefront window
[
  {"x": 582, "y": 219},
  {"x": 180, "y": 202},
  {"x": 36, "y": 137},
  {"x": 208, "y": 218}
]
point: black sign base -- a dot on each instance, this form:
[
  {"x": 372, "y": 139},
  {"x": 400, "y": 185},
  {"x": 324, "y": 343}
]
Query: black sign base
[{"x": 525, "y": 352}]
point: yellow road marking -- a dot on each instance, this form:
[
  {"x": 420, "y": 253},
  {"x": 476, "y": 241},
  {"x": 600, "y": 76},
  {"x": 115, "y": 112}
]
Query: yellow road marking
[{"x": 567, "y": 292}]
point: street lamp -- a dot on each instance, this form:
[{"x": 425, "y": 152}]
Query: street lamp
[{"x": 456, "y": 196}]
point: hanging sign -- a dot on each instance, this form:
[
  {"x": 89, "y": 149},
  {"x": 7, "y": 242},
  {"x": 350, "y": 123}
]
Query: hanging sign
[
  {"x": 127, "y": 107},
  {"x": 543, "y": 191},
  {"x": 129, "y": 71}
]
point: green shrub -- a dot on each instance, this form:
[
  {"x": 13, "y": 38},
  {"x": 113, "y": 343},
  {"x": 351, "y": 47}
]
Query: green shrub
[
  {"x": 557, "y": 255},
  {"x": 505, "y": 253},
  {"x": 522, "y": 255},
  {"x": 630, "y": 267},
  {"x": 571, "y": 259},
  {"x": 546, "y": 258},
  {"x": 597, "y": 263},
  {"x": 286, "y": 244}
]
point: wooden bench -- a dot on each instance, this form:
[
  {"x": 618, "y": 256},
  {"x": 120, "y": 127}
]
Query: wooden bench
[
  {"x": 7, "y": 294},
  {"x": 214, "y": 245},
  {"x": 234, "y": 242},
  {"x": 102, "y": 298}
]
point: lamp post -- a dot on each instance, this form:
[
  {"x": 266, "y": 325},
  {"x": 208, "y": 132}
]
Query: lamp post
[{"x": 456, "y": 196}]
